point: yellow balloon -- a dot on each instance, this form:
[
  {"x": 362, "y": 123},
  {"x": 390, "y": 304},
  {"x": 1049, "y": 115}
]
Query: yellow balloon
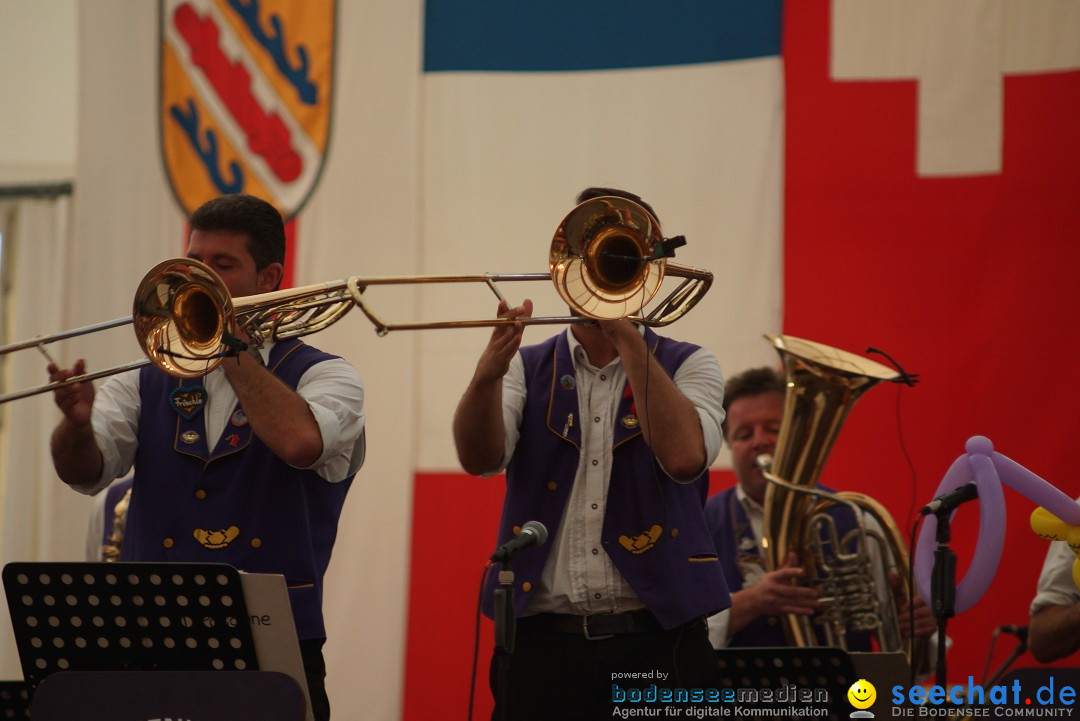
[{"x": 1049, "y": 527}]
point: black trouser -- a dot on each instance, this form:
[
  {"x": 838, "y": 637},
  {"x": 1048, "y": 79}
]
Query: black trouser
[
  {"x": 566, "y": 676},
  {"x": 315, "y": 671}
]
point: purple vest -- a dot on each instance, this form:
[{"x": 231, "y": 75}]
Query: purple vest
[
  {"x": 238, "y": 503},
  {"x": 733, "y": 537},
  {"x": 654, "y": 528}
]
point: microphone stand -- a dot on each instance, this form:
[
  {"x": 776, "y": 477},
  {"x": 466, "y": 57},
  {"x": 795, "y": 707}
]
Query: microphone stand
[
  {"x": 943, "y": 587},
  {"x": 505, "y": 631},
  {"x": 1020, "y": 648}
]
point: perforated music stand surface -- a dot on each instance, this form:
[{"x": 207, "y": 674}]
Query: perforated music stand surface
[
  {"x": 14, "y": 700},
  {"x": 780, "y": 668},
  {"x": 127, "y": 616}
]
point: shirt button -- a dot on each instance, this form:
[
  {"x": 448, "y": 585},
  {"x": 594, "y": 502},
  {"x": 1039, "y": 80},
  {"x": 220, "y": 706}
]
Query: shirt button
[
  {"x": 595, "y": 552},
  {"x": 603, "y": 377},
  {"x": 597, "y": 419},
  {"x": 596, "y": 463},
  {"x": 595, "y": 506},
  {"x": 597, "y": 596}
]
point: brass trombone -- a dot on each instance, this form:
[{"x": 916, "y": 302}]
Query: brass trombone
[{"x": 607, "y": 260}]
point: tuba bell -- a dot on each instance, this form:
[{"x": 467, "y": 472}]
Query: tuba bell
[{"x": 823, "y": 384}]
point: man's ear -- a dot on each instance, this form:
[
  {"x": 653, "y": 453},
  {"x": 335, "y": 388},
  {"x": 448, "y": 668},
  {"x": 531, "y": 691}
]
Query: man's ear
[{"x": 269, "y": 278}]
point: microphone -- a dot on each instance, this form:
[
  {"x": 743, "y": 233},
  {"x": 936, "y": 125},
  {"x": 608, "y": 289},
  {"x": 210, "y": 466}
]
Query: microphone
[
  {"x": 949, "y": 501},
  {"x": 532, "y": 534},
  {"x": 1020, "y": 632}
]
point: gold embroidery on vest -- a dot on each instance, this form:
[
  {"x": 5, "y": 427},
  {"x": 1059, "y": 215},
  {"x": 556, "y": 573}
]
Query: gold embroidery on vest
[
  {"x": 643, "y": 541},
  {"x": 216, "y": 539}
]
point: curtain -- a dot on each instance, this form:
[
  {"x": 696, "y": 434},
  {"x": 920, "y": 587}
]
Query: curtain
[{"x": 38, "y": 512}]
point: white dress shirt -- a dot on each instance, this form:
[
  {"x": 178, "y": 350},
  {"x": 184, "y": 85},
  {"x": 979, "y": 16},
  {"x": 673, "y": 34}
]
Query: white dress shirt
[{"x": 1056, "y": 587}]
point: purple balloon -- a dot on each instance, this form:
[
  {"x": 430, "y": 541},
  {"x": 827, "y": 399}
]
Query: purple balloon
[{"x": 988, "y": 469}]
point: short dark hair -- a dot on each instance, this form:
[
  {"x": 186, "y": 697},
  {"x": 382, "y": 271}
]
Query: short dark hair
[
  {"x": 751, "y": 383},
  {"x": 590, "y": 193},
  {"x": 241, "y": 213}
]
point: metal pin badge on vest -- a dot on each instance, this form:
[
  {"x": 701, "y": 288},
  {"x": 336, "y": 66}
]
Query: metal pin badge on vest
[
  {"x": 567, "y": 382},
  {"x": 189, "y": 437},
  {"x": 630, "y": 421},
  {"x": 188, "y": 401},
  {"x": 238, "y": 418}
]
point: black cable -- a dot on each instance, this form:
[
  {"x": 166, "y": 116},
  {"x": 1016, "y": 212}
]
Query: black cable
[
  {"x": 989, "y": 655},
  {"x": 233, "y": 347},
  {"x": 906, "y": 454},
  {"x": 476, "y": 638},
  {"x": 908, "y": 379},
  {"x": 911, "y": 597}
]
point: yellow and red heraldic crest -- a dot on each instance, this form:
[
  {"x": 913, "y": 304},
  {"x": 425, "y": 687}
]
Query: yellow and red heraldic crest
[{"x": 246, "y": 92}]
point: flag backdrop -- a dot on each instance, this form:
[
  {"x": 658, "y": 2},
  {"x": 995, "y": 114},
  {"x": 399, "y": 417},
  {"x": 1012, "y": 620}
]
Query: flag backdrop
[
  {"x": 930, "y": 190},
  {"x": 896, "y": 174}
]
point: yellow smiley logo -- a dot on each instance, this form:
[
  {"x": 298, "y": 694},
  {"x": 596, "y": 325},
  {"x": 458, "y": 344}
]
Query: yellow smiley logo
[{"x": 862, "y": 694}]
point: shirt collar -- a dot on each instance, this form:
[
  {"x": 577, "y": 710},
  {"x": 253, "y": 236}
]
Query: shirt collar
[{"x": 748, "y": 503}]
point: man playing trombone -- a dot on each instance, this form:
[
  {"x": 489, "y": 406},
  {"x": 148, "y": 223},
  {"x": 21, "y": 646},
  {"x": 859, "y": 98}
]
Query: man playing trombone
[
  {"x": 606, "y": 432},
  {"x": 248, "y": 464}
]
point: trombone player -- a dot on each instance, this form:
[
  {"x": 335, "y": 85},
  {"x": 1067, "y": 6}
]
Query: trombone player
[
  {"x": 248, "y": 464},
  {"x": 606, "y": 432}
]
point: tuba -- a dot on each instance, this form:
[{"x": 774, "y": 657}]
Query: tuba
[{"x": 823, "y": 384}]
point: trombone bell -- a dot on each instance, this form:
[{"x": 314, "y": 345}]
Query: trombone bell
[
  {"x": 602, "y": 258},
  {"x": 180, "y": 311}
]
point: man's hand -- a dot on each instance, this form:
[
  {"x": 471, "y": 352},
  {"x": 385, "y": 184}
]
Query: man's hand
[
  {"x": 925, "y": 623},
  {"x": 777, "y": 593},
  {"x": 76, "y": 401},
  {"x": 620, "y": 331},
  {"x": 75, "y": 454},
  {"x": 479, "y": 435},
  {"x": 504, "y": 343}
]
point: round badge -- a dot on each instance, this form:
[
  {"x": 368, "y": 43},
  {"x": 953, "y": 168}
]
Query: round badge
[
  {"x": 189, "y": 437},
  {"x": 567, "y": 382},
  {"x": 630, "y": 421},
  {"x": 238, "y": 418}
]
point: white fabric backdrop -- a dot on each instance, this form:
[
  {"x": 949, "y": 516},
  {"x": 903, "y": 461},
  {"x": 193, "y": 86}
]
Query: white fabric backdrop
[{"x": 37, "y": 514}]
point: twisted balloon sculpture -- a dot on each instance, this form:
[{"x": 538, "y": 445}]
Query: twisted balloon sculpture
[{"x": 1056, "y": 519}]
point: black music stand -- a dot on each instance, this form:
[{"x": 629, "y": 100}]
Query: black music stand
[
  {"x": 209, "y": 695},
  {"x": 778, "y": 669},
  {"x": 83, "y": 617},
  {"x": 14, "y": 700},
  {"x": 127, "y": 616}
]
